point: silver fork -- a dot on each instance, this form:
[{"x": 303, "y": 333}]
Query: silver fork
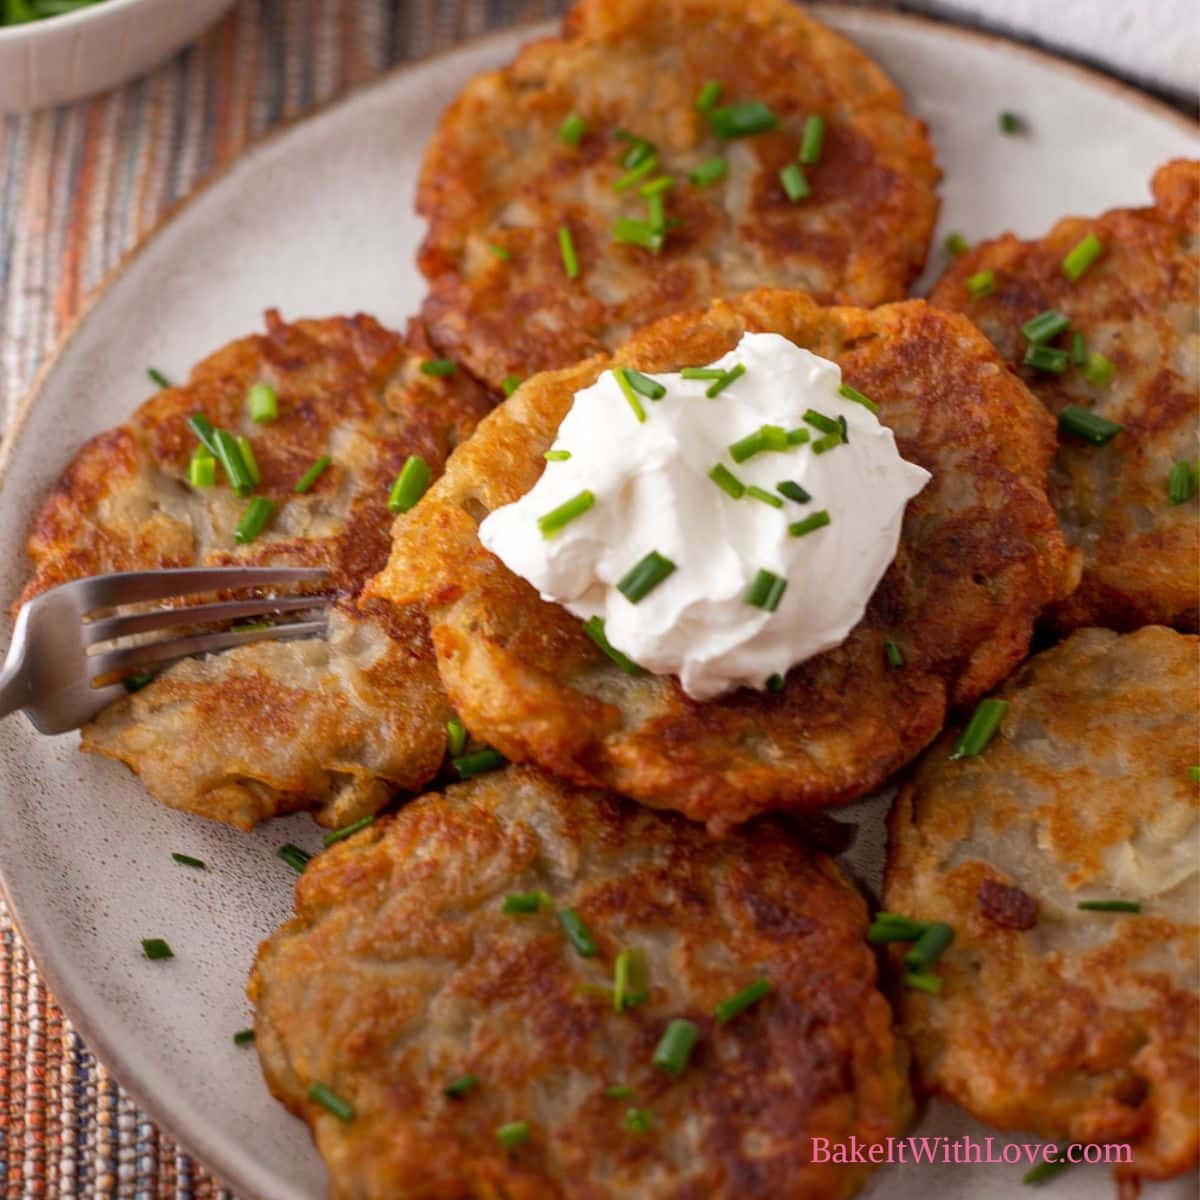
[{"x": 57, "y": 650}]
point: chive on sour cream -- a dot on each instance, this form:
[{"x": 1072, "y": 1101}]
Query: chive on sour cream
[{"x": 721, "y": 538}]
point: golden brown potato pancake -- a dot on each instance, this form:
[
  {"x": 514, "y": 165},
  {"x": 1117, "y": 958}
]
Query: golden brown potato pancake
[
  {"x": 332, "y": 724},
  {"x": 401, "y": 972},
  {"x": 980, "y": 555},
  {"x": 1137, "y": 307},
  {"x": 498, "y": 176},
  {"x": 1084, "y": 1025}
]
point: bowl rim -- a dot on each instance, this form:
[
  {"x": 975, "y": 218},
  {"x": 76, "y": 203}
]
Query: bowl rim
[{"x": 29, "y": 30}]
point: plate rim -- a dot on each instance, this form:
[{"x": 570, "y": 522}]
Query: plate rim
[{"x": 845, "y": 18}]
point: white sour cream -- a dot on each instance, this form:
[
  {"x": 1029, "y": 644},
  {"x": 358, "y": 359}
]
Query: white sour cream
[{"x": 653, "y": 492}]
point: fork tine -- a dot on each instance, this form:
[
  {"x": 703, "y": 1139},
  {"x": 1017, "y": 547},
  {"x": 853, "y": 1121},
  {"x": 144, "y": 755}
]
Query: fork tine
[
  {"x": 120, "y": 661},
  {"x": 131, "y": 587},
  {"x": 198, "y": 614}
]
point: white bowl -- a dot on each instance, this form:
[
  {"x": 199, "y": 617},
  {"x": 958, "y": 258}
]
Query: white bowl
[{"x": 63, "y": 58}]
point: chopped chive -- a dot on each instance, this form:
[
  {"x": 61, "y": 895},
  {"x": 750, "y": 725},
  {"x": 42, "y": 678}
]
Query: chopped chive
[
  {"x": 766, "y": 437},
  {"x": 409, "y": 486},
  {"x": 156, "y": 376},
  {"x": 1090, "y": 426},
  {"x": 1010, "y": 123},
  {"x": 254, "y": 519},
  {"x": 572, "y": 129},
  {"x": 330, "y": 1101},
  {"x": 566, "y": 246},
  {"x": 295, "y": 858},
  {"x": 923, "y": 981},
  {"x": 521, "y": 904},
  {"x": 156, "y": 949},
  {"x": 893, "y": 654},
  {"x": 631, "y": 232},
  {"x": 710, "y": 93},
  {"x": 1081, "y": 256},
  {"x": 202, "y": 469},
  {"x": 775, "y": 683},
  {"x": 594, "y": 628},
  {"x": 186, "y": 860},
  {"x": 675, "y": 1046},
  {"x": 765, "y": 496},
  {"x": 439, "y": 366},
  {"x": 618, "y": 1091},
  {"x": 1078, "y": 349},
  {"x": 936, "y": 938},
  {"x": 1046, "y": 1170},
  {"x": 701, "y": 373},
  {"x": 650, "y": 388},
  {"x": 1194, "y": 774},
  {"x": 710, "y": 171},
  {"x": 1181, "y": 483},
  {"x": 793, "y": 491},
  {"x": 793, "y": 181},
  {"x": 727, "y": 481},
  {"x": 137, "y": 681},
  {"x": 478, "y": 762},
  {"x": 647, "y": 166},
  {"x": 797, "y": 437},
  {"x": 1045, "y": 325},
  {"x": 243, "y": 1037},
  {"x": 766, "y": 590},
  {"x": 456, "y": 737},
  {"x": 510, "y": 383},
  {"x": 1047, "y": 358},
  {"x": 340, "y": 835},
  {"x": 229, "y": 455},
  {"x": 658, "y": 212},
  {"x": 829, "y": 442},
  {"x": 512, "y": 1135},
  {"x": 844, "y": 429},
  {"x": 1098, "y": 370},
  {"x": 557, "y": 455},
  {"x": 821, "y": 421},
  {"x": 740, "y": 1001},
  {"x": 642, "y": 578},
  {"x": 577, "y": 932},
  {"x": 556, "y": 519},
  {"x": 622, "y": 378},
  {"x": 817, "y": 520},
  {"x": 656, "y": 187},
  {"x": 813, "y": 140},
  {"x": 891, "y": 927},
  {"x": 263, "y": 403},
  {"x": 247, "y": 452},
  {"x": 718, "y": 386},
  {"x": 983, "y": 724},
  {"x": 201, "y": 426},
  {"x": 501, "y": 252},
  {"x": 637, "y": 1120},
  {"x": 456, "y": 1089},
  {"x": 639, "y": 151},
  {"x": 956, "y": 244},
  {"x": 850, "y": 393},
  {"x": 1123, "y": 906},
  {"x": 631, "y": 985},
  {"x": 982, "y": 283},
  {"x": 742, "y": 120},
  {"x": 306, "y": 481}
]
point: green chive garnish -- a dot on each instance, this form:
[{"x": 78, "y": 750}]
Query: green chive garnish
[
  {"x": 766, "y": 590},
  {"x": 936, "y": 938},
  {"x": 797, "y": 437},
  {"x": 510, "y": 383},
  {"x": 632, "y": 232},
  {"x": 478, "y": 762},
  {"x": 639, "y": 150},
  {"x": 1047, "y": 358},
  {"x": 650, "y": 388},
  {"x": 577, "y": 932},
  {"x": 1090, "y": 426},
  {"x": 1181, "y": 483},
  {"x": 254, "y": 519},
  {"x": 849, "y": 393},
  {"x": 557, "y": 455},
  {"x": 982, "y": 283},
  {"x": 202, "y": 469},
  {"x": 262, "y": 403},
  {"x": 456, "y": 738},
  {"x": 243, "y": 1037},
  {"x": 456, "y": 1089},
  {"x": 775, "y": 683},
  {"x": 409, "y": 486},
  {"x": 156, "y": 948},
  {"x": 340, "y": 835},
  {"x": 1098, "y": 370},
  {"x": 675, "y": 1046},
  {"x": 1081, "y": 256},
  {"x": 1122, "y": 906},
  {"x": 637, "y": 1120},
  {"x": 793, "y": 491},
  {"x": 923, "y": 981},
  {"x": 137, "y": 681},
  {"x": 647, "y": 166},
  {"x": 983, "y": 724},
  {"x": 740, "y": 1001},
  {"x": 572, "y": 129},
  {"x": 158, "y": 377},
  {"x": 766, "y": 437},
  {"x": 521, "y": 904},
  {"x": 710, "y": 171},
  {"x": 893, "y": 654},
  {"x": 631, "y": 396},
  {"x": 1078, "y": 349},
  {"x": 829, "y": 442},
  {"x": 716, "y": 388},
  {"x": 727, "y": 481},
  {"x": 566, "y": 246},
  {"x": 186, "y": 860},
  {"x": 1009, "y": 123},
  {"x": 1046, "y": 1170},
  {"x": 558, "y": 518},
  {"x": 701, "y": 373},
  {"x": 247, "y": 453},
  {"x": 512, "y": 1135},
  {"x": 631, "y": 985},
  {"x": 640, "y": 580},
  {"x": 619, "y": 1091},
  {"x": 892, "y": 927},
  {"x": 1045, "y": 325},
  {"x": 295, "y": 858},
  {"x": 956, "y": 244},
  {"x": 742, "y": 120},
  {"x": 229, "y": 455},
  {"x": 594, "y": 628},
  {"x": 501, "y": 252},
  {"x": 813, "y": 141},
  {"x": 817, "y": 520},
  {"x": 793, "y": 181},
  {"x": 822, "y": 422},
  {"x": 765, "y": 496},
  {"x": 710, "y": 93},
  {"x": 438, "y": 366},
  {"x": 656, "y": 187},
  {"x": 1194, "y": 774},
  {"x": 329, "y": 1100},
  {"x": 306, "y": 481},
  {"x": 201, "y": 426}
]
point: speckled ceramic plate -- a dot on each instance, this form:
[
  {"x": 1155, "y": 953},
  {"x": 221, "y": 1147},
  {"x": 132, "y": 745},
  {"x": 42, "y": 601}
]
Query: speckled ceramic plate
[{"x": 84, "y": 855}]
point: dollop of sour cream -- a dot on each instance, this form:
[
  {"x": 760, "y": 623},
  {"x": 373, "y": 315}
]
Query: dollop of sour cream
[{"x": 715, "y": 621}]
